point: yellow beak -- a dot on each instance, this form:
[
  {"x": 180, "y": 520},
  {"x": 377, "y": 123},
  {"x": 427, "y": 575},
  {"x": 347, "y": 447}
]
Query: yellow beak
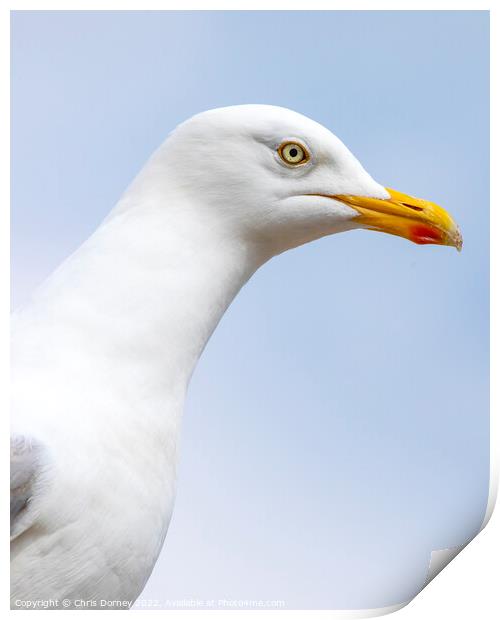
[{"x": 415, "y": 219}]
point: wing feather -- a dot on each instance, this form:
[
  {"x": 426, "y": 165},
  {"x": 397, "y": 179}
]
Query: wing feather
[{"x": 25, "y": 458}]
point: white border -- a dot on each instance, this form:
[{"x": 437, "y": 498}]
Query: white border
[
  {"x": 465, "y": 589},
  {"x": 257, "y": 5},
  {"x": 4, "y": 275}
]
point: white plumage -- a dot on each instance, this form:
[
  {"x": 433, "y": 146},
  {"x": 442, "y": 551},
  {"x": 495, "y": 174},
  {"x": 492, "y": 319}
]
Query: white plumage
[{"x": 103, "y": 354}]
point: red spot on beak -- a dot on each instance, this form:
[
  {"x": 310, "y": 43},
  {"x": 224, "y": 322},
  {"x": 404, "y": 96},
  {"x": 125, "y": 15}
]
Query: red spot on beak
[{"x": 426, "y": 234}]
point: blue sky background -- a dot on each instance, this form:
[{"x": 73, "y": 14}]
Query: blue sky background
[{"x": 336, "y": 429}]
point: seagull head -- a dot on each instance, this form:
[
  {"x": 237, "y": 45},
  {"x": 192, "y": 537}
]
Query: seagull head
[{"x": 276, "y": 177}]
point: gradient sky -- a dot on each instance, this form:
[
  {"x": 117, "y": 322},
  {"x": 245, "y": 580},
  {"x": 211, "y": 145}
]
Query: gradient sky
[{"x": 336, "y": 428}]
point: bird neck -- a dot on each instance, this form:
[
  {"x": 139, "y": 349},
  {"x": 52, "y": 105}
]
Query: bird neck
[{"x": 145, "y": 292}]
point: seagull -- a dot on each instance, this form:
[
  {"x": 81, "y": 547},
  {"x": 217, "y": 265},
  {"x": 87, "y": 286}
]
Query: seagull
[{"x": 103, "y": 353}]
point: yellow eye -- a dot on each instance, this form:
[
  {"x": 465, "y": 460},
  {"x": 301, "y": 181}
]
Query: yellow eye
[{"x": 292, "y": 153}]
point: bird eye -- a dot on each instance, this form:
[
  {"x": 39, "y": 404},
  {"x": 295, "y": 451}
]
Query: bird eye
[{"x": 292, "y": 153}]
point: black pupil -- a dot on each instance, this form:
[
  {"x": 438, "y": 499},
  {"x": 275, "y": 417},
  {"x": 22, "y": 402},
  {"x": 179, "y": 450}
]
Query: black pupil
[{"x": 293, "y": 152}]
